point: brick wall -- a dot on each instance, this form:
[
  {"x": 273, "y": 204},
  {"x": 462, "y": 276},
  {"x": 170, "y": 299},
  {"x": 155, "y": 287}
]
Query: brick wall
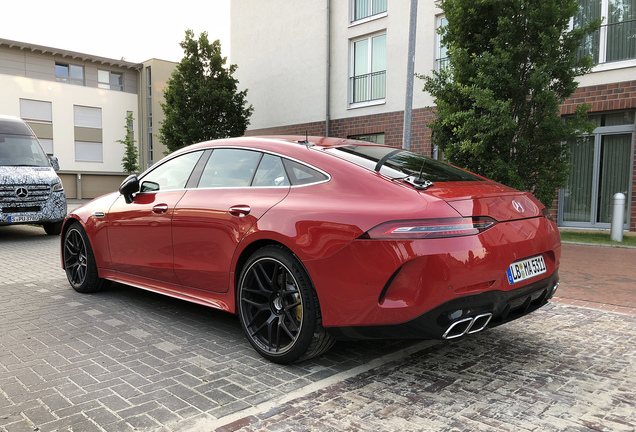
[{"x": 602, "y": 98}]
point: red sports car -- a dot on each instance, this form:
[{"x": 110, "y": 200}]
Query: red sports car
[{"x": 310, "y": 240}]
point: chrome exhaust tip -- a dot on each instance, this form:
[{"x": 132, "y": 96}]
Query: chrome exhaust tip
[{"x": 467, "y": 326}]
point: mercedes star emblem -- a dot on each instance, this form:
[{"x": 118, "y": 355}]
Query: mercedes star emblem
[
  {"x": 518, "y": 206},
  {"x": 21, "y": 192}
]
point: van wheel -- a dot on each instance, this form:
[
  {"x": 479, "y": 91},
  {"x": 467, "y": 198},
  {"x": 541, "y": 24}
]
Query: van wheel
[{"x": 53, "y": 228}]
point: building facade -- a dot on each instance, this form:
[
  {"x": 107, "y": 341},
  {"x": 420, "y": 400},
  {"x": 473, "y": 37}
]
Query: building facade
[
  {"x": 77, "y": 105},
  {"x": 339, "y": 68}
]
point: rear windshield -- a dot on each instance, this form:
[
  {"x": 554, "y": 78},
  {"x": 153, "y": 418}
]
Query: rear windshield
[
  {"x": 397, "y": 163},
  {"x": 21, "y": 150}
]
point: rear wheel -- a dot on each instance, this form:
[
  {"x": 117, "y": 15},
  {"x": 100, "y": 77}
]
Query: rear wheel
[
  {"x": 279, "y": 308},
  {"x": 79, "y": 261}
]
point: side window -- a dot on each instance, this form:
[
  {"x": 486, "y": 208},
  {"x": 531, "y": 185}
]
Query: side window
[
  {"x": 172, "y": 174},
  {"x": 230, "y": 168},
  {"x": 270, "y": 172},
  {"x": 301, "y": 174}
]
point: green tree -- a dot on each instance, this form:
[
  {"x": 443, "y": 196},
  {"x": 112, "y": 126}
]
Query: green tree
[
  {"x": 511, "y": 64},
  {"x": 131, "y": 155},
  {"x": 201, "y": 98}
]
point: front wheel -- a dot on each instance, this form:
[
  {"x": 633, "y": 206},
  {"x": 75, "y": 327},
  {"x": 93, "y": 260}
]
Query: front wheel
[
  {"x": 79, "y": 261},
  {"x": 279, "y": 309}
]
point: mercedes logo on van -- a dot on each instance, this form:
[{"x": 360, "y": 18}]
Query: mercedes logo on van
[
  {"x": 518, "y": 206},
  {"x": 21, "y": 192}
]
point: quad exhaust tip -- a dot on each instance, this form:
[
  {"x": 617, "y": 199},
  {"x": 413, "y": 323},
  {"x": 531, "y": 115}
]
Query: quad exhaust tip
[{"x": 467, "y": 326}]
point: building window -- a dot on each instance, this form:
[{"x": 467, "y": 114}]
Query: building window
[
  {"x": 361, "y": 9},
  {"x": 377, "y": 138},
  {"x": 88, "y": 134},
  {"x": 616, "y": 39},
  {"x": 441, "y": 52},
  {"x": 39, "y": 115},
  {"x": 151, "y": 153},
  {"x": 110, "y": 80},
  {"x": 601, "y": 167},
  {"x": 69, "y": 73},
  {"x": 368, "y": 80}
]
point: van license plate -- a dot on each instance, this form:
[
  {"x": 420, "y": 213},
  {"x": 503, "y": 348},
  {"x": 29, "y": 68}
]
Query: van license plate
[
  {"x": 526, "y": 269},
  {"x": 18, "y": 219}
]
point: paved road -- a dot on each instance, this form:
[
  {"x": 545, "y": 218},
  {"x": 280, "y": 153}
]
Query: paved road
[{"x": 125, "y": 359}]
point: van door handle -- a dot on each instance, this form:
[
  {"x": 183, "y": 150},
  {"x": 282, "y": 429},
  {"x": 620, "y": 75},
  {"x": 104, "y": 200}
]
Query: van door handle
[
  {"x": 160, "y": 208},
  {"x": 240, "y": 210}
]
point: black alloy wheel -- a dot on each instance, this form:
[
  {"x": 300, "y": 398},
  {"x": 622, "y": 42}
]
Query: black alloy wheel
[
  {"x": 79, "y": 261},
  {"x": 278, "y": 307}
]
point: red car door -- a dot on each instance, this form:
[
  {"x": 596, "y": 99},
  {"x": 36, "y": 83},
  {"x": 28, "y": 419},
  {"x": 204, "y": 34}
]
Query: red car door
[
  {"x": 140, "y": 232},
  {"x": 210, "y": 221}
]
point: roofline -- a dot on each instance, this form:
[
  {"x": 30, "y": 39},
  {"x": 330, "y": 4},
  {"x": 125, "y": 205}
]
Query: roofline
[{"x": 72, "y": 54}]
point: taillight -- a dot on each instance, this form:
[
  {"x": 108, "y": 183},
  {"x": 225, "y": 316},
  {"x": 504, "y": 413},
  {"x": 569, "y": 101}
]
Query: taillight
[
  {"x": 430, "y": 228},
  {"x": 546, "y": 214}
]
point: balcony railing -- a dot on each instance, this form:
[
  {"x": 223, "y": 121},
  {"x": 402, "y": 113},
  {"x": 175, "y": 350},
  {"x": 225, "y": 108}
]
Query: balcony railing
[{"x": 368, "y": 87}]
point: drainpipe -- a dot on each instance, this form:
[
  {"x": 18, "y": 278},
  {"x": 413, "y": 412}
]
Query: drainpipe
[
  {"x": 328, "y": 83},
  {"x": 410, "y": 75}
]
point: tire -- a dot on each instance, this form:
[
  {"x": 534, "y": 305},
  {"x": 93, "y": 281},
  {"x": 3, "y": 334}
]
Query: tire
[
  {"x": 53, "y": 228},
  {"x": 278, "y": 307},
  {"x": 79, "y": 261}
]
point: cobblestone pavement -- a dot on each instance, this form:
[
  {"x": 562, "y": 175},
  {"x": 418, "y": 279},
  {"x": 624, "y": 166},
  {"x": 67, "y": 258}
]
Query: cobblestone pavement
[{"x": 125, "y": 359}]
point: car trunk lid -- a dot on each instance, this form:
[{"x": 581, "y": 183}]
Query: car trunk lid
[{"x": 487, "y": 199}]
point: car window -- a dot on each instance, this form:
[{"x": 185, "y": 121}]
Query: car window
[
  {"x": 398, "y": 163},
  {"x": 172, "y": 174},
  {"x": 300, "y": 174},
  {"x": 230, "y": 168},
  {"x": 21, "y": 150},
  {"x": 270, "y": 172}
]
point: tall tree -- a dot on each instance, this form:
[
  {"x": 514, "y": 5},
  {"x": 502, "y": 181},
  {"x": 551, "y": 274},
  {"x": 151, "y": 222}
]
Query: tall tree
[
  {"x": 511, "y": 64},
  {"x": 131, "y": 154},
  {"x": 201, "y": 98}
]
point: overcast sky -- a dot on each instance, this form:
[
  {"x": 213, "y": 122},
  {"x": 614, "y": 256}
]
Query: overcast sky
[{"x": 136, "y": 30}]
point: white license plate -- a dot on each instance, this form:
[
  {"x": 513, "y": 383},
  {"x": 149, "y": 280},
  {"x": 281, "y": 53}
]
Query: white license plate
[
  {"x": 522, "y": 270},
  {"x": 17, "y": 219}
]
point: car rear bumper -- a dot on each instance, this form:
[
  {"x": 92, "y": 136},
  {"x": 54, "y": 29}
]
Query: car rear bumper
[{"x": 462, "y": 316}]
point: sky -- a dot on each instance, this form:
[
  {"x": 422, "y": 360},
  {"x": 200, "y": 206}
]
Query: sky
[{"x": 135, "y": 30}]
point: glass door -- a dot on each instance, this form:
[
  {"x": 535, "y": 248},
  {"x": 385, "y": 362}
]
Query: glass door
[{"x": 601, "y": 167}]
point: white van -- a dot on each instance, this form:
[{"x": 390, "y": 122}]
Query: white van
[{"x": 30, "y": 190}]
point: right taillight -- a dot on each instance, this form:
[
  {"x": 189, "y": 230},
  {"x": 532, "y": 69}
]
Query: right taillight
[
  {"x": 546, "y": 214},
  {"x": 430, "y": 228}
]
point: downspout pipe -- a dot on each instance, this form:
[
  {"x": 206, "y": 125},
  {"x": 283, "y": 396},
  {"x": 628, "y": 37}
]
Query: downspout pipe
[
  {"x": 410, "y": 76},
  {"x": 328, "y": 77}
]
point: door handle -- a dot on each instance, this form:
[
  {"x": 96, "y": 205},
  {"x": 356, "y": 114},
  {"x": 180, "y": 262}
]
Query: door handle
[
  {"x": 240, "y": 210},
  {"x": 160, "y": 208}
]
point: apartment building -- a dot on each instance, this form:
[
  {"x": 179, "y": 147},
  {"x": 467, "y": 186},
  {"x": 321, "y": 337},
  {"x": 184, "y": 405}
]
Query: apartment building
[
  {"x": 77, "y": 105},
  {"x": 339, "y": 68}
]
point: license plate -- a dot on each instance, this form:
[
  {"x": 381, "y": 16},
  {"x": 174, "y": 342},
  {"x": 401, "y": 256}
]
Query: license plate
[
  {"x": 18, "y": 219},
  {"x": 522, "y": 270}
]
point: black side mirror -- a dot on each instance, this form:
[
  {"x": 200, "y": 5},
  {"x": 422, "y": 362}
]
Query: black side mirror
[
  {"x": 54, "y": 163},
  {"x": 129, "y": 187}
]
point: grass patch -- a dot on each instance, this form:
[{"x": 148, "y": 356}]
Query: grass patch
[{"x": 597, "y": 237}]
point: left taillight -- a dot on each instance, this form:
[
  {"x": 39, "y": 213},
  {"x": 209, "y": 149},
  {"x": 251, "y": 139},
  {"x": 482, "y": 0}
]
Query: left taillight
[{"x": 430, "y": 228}]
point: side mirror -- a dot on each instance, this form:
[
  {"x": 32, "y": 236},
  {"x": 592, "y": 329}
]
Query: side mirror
[
  {"x": 55, "y": 163},
  {"x": 129, "y": 187}
]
